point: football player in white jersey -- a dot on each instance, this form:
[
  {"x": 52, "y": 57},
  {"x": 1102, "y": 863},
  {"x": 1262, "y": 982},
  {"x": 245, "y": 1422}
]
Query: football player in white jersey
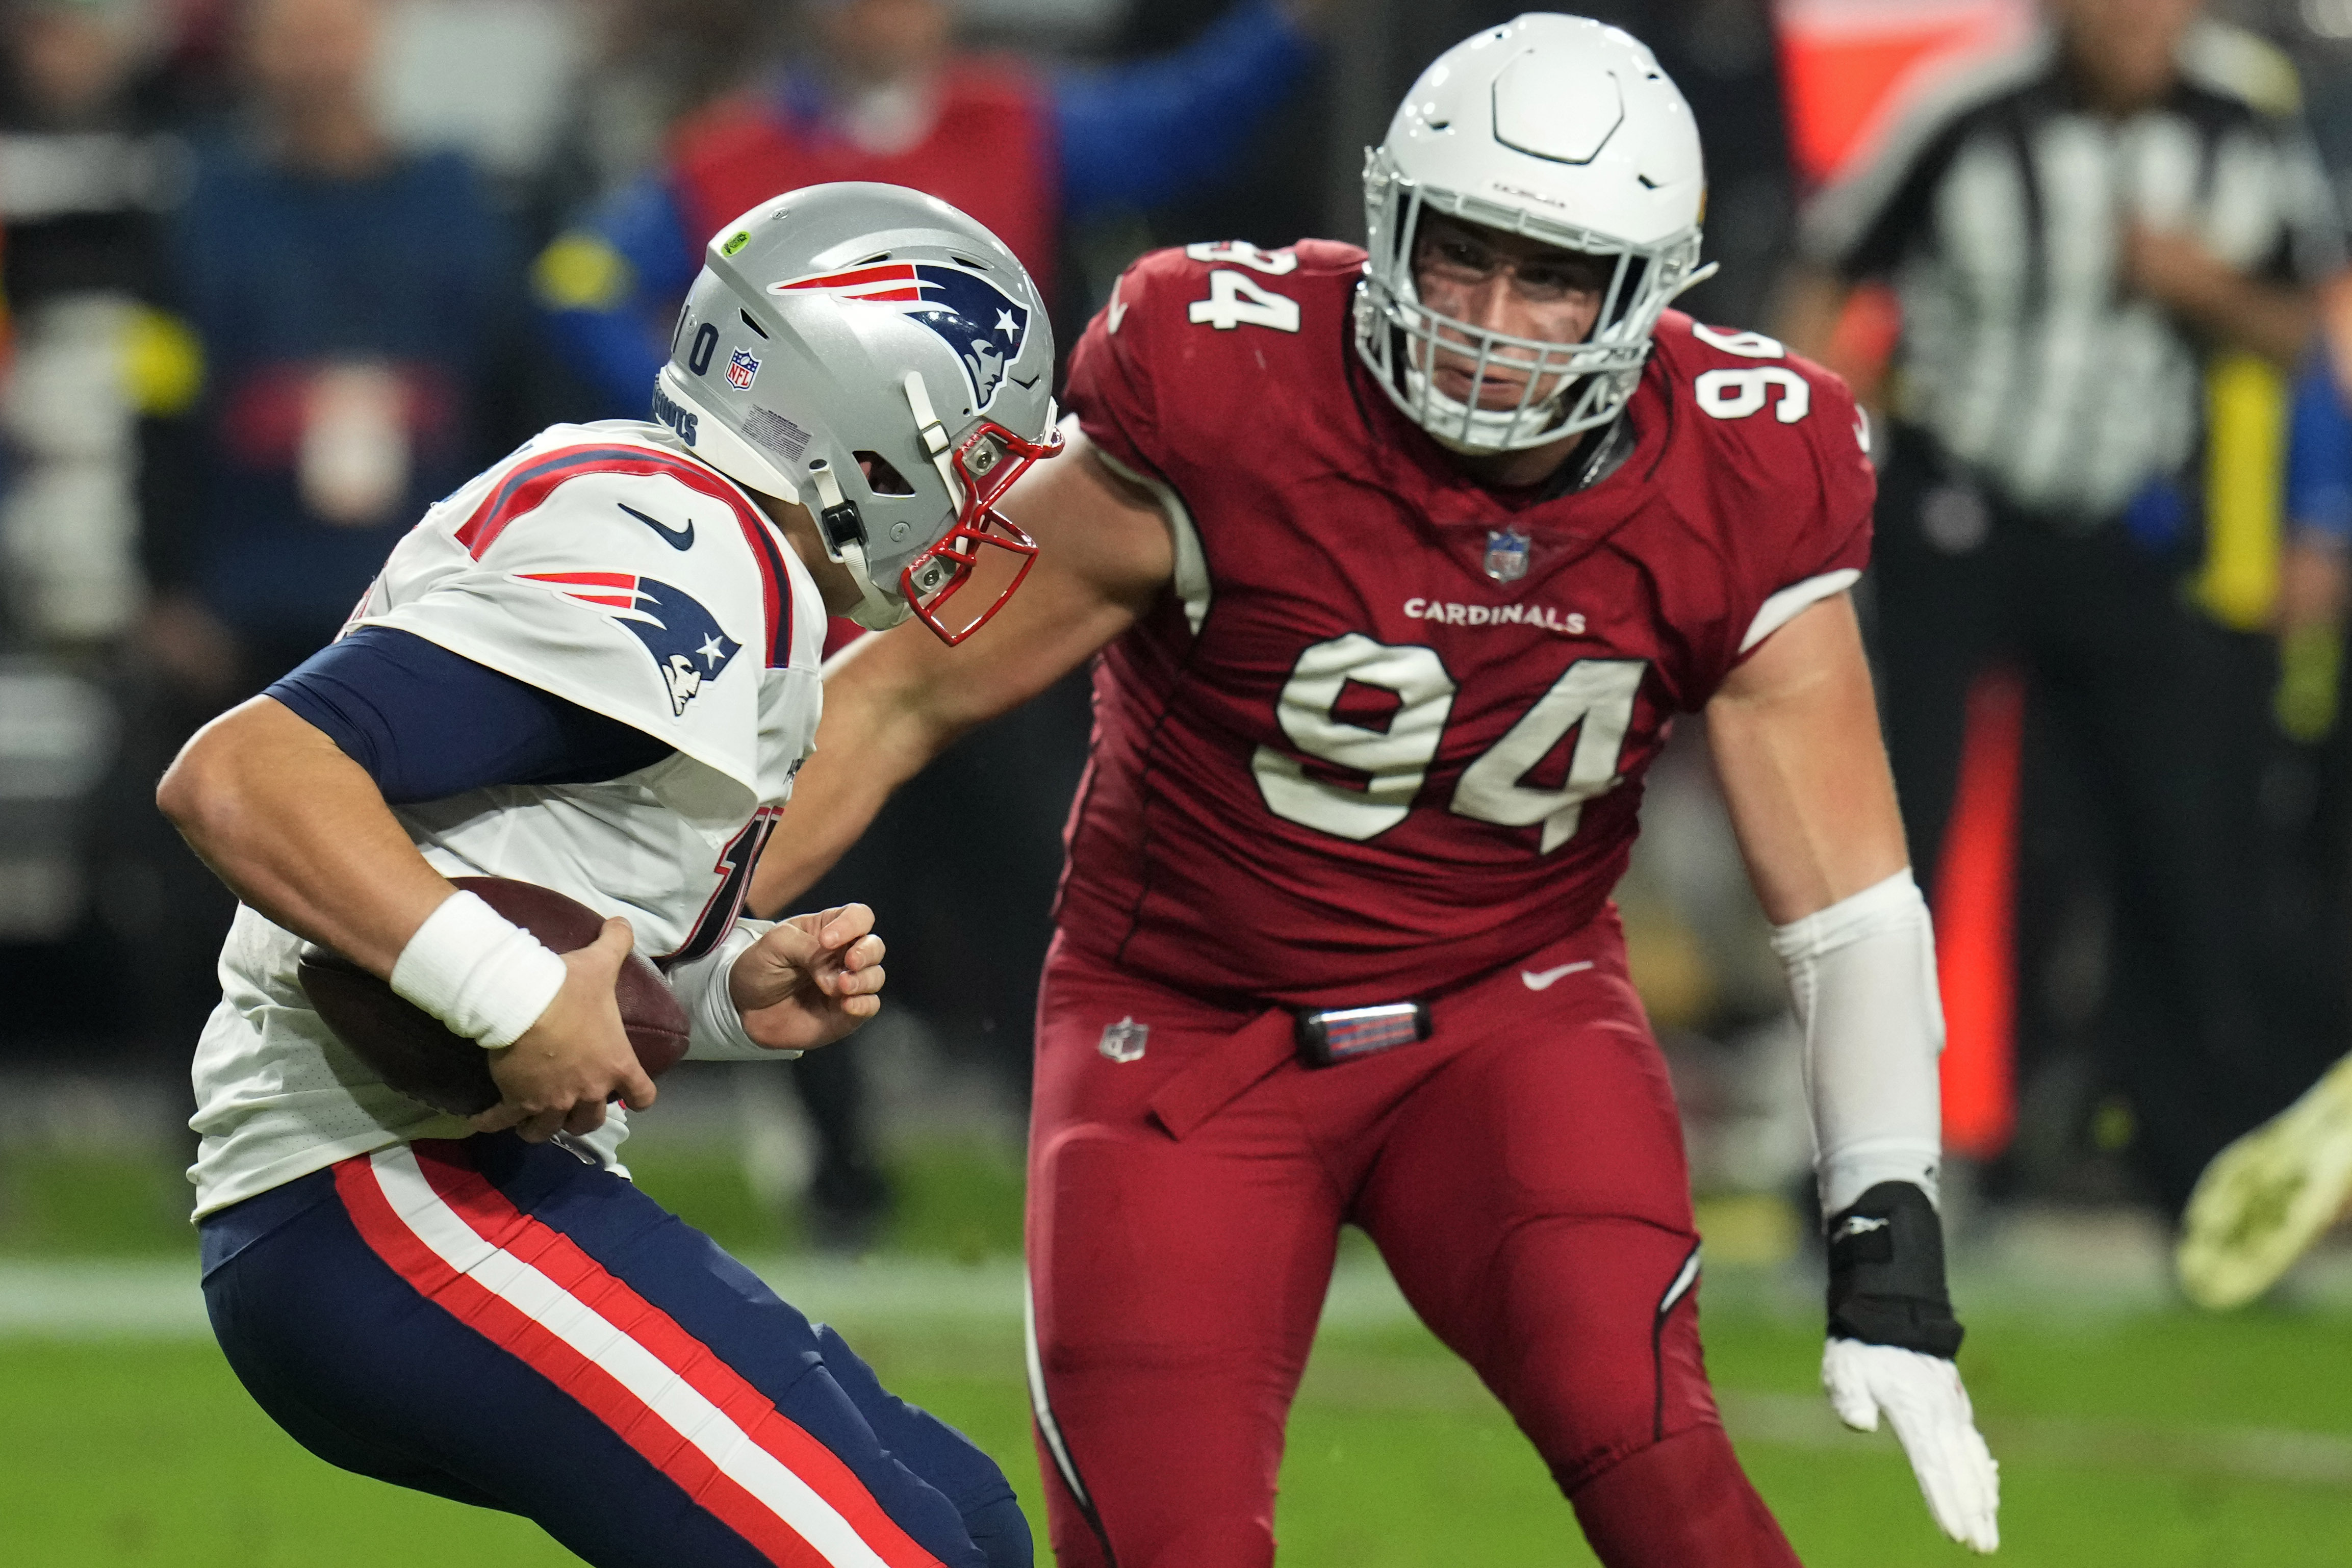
[{"x": 594, "y": 668}]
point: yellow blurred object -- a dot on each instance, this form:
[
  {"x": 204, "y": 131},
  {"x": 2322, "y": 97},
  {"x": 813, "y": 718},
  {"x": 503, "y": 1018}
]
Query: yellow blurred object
[
  {"x": 580, "y": 272},
  {"x": 2268, "y": 1197},
  {"x": 2245, "y": 477},
  {"x": 2311, "y": 669},
  {"x": 2113, "y": 1128},
  {"x": 163, "y": 363},
  {"x": 1754, "y": 1229},
  {"x": 1668, "y": 967}
]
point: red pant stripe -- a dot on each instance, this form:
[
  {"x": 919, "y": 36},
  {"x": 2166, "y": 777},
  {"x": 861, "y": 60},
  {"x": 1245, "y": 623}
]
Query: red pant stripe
[{"x": 531, "y": 1290}]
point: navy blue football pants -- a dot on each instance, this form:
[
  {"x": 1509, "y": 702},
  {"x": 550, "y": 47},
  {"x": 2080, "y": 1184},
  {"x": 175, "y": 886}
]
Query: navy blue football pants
[{"x": 500, "y": 1324}]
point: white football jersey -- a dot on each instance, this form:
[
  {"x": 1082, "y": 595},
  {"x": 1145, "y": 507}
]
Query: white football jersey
[{"x": 605, "y": 565}]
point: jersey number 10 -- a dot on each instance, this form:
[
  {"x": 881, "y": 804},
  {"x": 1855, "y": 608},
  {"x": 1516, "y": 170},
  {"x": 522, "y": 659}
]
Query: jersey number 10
[{"x": 1594, "y": 698}]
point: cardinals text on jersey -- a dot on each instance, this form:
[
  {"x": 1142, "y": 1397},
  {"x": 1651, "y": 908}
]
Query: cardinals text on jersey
[
  {"x": 602, "y": 564},
  {"x": 1389, "y": 732}
]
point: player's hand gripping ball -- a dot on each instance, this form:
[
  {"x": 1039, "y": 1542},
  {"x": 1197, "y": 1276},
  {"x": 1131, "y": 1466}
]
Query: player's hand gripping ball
[{"x": 420, "y": 1057}]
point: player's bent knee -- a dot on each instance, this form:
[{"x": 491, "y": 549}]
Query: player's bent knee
[{"x": 1595, "y": 1346}]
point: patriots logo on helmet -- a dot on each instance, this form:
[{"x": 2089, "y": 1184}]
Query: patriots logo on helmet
[
  {"x": 687, "y": 645},
  {"x": 985, "y": 325}
]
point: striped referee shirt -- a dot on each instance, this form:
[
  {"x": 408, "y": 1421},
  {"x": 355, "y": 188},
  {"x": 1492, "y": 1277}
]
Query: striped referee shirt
[{"x": 1998, "y": 209}]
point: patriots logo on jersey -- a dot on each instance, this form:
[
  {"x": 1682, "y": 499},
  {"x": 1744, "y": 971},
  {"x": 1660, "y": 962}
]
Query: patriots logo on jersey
[
  {"x": 985, "y": 325},
  {"x": 687, "y": 645}
]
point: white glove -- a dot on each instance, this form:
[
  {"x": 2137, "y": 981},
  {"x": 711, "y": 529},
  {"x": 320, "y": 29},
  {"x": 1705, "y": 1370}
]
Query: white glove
[{"x": 1923, "y": 1397}]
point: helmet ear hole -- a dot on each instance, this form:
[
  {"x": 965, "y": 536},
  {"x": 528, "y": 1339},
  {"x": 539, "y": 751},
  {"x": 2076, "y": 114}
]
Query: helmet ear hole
[{"x": 881, "y": 477}]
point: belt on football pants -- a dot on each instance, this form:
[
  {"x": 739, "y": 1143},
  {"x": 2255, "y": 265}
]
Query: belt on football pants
[
  {"x": 1335, "y": 1035},
  {"x": 1323, "y": 1038}
]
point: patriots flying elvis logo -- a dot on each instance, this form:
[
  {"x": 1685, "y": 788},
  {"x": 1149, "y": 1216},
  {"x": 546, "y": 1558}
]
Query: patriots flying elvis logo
[
  {"x": 985, "y": 325},
  {"x": 686, "y": 643}
]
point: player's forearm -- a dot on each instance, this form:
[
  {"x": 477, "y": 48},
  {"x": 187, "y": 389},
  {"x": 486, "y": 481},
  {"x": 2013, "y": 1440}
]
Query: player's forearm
[
  {"x": 297, "y": 830},
  {"x": 877, "y": 733}
]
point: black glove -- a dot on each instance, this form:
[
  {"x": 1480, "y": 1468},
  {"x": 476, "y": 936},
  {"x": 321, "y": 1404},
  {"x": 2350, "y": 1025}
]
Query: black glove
[{"x": 1886, "y": 1272}]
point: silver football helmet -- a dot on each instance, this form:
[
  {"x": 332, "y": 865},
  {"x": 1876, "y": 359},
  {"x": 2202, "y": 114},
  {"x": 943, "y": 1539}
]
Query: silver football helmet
[
  {"x": 875, "y": 354},
  {"x": 1563, "y": 130}
]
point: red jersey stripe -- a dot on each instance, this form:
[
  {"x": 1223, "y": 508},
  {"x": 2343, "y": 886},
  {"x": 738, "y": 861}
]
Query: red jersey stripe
[
  {"x": 587, "y": 579},
  {"x": 527, "y": 488},
  {"x": 532, "y": 1290}
]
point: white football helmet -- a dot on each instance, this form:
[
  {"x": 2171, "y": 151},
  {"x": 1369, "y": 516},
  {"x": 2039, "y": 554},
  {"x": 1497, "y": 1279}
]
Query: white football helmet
[
  {"x": 1565, "y": 131},
  {"x": 875, "y": 354}
]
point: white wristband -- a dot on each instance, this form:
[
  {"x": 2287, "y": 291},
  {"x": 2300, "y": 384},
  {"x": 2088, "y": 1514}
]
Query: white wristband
[{"x": 476, "y": 972}]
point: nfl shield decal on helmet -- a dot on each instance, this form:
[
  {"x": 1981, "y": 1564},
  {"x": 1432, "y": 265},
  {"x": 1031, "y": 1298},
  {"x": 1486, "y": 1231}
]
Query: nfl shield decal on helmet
[
  {"x": 985, "y": 325},
  {"x": 1125, "y": 1041},
  {"x": 742, "y": 369},
  {"x": 686, "y": 643},
  {"x": 1506, "y": 555}
]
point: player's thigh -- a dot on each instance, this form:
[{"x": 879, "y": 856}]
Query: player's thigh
[
  {"x": 1533, "y": 1202},
  {"x": 558, "y": 1345},
  {"x": 1176, "y": 1286},
  {"x": 1144, "y": 1244}
]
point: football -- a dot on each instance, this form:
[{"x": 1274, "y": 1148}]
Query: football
[{"x": 420, "y": 1057}]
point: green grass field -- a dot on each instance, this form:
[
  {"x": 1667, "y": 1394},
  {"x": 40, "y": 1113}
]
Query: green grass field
[
  {"x": 2134, "y": 1444},
  {"x": 2149, "y": 1439}
]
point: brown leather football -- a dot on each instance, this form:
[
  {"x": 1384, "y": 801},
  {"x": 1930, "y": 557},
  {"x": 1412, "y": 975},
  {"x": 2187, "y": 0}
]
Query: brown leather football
[{"x": 420, "y": 1057}]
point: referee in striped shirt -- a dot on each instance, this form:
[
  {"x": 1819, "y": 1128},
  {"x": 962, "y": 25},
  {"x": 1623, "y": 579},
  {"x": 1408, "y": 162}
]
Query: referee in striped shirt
[{"x": 2079, "y": 233}]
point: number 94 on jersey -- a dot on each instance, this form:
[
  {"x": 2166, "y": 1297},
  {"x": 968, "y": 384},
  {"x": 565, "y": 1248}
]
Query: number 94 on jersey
[{"x": 1369, "y": 774}]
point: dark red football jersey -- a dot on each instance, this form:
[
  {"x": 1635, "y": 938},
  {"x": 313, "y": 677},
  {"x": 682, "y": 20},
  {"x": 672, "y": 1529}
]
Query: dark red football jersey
[{"x": 1388, "y": 731}]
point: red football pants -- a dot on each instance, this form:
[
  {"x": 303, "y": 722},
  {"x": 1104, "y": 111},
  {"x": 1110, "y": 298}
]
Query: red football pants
[{"x": 1522, "y": 1174}]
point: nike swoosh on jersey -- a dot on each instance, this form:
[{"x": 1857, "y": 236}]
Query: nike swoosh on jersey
[
  {"x": 1117, "y": 307},
  {"x": 1542, "y": 981},
  {"x": 676, "y": 538}
]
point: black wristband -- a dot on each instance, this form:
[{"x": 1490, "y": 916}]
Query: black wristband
[{"x": 1886, "y": 1272}]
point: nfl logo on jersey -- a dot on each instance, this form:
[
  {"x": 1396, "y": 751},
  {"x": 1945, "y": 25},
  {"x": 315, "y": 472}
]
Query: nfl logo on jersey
[
  {"x": 1124, "y": 1040},
  {"x": 742, "y": 369},
  {"x": 1506, "y": 555}
]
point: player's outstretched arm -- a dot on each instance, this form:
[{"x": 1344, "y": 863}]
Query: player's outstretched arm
[
  {"x": 894, "y": 700},
  {"x": 299, "y": 831},
  {"x": 1795, "y": 736}
]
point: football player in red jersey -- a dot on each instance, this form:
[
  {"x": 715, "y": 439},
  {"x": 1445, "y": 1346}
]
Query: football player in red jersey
[{"x": 1399, "y": 564}]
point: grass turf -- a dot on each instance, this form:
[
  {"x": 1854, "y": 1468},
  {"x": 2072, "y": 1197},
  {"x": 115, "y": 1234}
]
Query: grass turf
[
  {"x": 2127, "y": 1439},
  {"x": 150, "y": 1453}
]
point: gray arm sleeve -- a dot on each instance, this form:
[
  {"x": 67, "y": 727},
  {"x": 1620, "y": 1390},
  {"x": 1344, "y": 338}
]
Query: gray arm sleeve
[{"x": 1862, "y": 974}]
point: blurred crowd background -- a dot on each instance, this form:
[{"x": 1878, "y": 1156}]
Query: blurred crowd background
[{"x": 280, "y": 273}]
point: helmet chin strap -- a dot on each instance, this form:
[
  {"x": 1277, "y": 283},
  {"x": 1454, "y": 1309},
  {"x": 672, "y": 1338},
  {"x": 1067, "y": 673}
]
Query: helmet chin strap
[
  {"x": 877, "y": 609},
  {"x": 880, "y": 607},
  {"x": 935, "y": 436},
  {"x": 1698, "y": 275}
]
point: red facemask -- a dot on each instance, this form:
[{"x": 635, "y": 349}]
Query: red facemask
[{"x": 986, "y": 464}]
